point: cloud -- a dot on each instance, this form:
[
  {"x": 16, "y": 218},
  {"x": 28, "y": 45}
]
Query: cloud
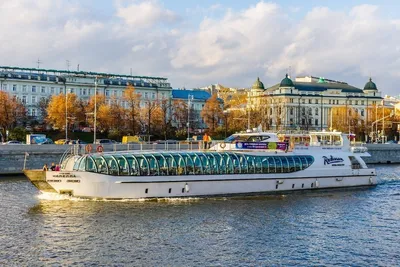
[
  {"x": 145, "y": 14},
  {"x": 230, "y": 46}
]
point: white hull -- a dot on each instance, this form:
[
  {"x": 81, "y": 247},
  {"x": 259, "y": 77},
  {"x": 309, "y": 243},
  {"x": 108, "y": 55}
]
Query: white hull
[{"x": 90, "y": 185}]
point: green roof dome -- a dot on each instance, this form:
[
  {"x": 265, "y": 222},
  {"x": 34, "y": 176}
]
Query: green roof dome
[
  {"x": 286, "y": 82},
  {"x": 370, "y": 85},
  {"x": 258, "y": 84}
]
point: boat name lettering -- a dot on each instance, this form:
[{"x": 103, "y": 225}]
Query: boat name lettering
[
  {"x": 65, "y": 175},
  {"x": 332, "y": 159},
  {"x": 335, "y": 148},
  {"x": 73, "y": 181},
  {"x": 53, "y": 181},
  {"x": 337, "y": 164}
]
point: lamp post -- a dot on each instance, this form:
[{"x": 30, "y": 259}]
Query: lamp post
[
  {"x": 322, "y": 111},
  {"x": 66, "y": 111},
  {"x": 226, "y": 122},
  {"x": 95, "y": 111},
  {"x": 190, "y": 99}
]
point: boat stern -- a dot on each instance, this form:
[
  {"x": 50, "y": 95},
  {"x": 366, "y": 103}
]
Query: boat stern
[{"x": 38, "y": 179}]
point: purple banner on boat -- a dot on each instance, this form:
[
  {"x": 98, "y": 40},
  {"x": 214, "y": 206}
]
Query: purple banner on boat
[{"x": 261, "y": 145}]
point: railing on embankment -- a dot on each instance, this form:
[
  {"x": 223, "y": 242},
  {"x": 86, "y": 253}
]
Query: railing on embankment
[{"x": 13, "y": 158}]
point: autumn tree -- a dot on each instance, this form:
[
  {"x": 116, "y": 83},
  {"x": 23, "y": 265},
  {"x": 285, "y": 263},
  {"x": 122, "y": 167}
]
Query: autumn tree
[
  {"x": 99, "y": 101},
  {"x": 163, "y": 116},
  {"x": 11, "y": 111},
  {"x": 147, "y": 114},
  {"x": 133, "y": 107},
  {"x": 56, "y": 110},
  {"x": 212, "y": 112},
  {"x": 180, "y": 112}
]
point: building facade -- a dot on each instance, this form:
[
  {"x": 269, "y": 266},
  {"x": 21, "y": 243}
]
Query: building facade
[
  {"x": 311, "y": 103},
  {"x": 29, "y": 85}
]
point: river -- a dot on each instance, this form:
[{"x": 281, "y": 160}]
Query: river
[{"x": 343, "y": 227}]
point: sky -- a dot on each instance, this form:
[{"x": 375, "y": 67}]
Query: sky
[{"x": 198, "y": 43}]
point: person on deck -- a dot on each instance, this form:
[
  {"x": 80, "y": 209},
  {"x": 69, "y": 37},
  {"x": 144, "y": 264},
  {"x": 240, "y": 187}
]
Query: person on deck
[
  {"x": 53, "y": 166},
  {"x": 205, "y": 140},
  {"x": 45, "y": 168}
]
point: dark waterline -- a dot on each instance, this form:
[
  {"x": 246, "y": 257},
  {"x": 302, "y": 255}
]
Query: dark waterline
[{"x": 342, "y": 227}]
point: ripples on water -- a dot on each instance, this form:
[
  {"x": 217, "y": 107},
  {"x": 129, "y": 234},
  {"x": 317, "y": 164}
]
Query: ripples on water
[{"x": 343, "y": 227}]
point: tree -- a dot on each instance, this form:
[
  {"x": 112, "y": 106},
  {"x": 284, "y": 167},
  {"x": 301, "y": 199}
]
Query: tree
[
  {"x": 100, "y": 101},
  {"x": 56, "y": 110},
  {"x": 11, "y": 111},
  {"x": 42, "y": 107},
  {"x": 146, "y": 115},
  {"x": 180, "y": 113},
  {"x": 163, "y": 116},
  {"x": 132, "y": 111},
  {"x": 212, "y": 112}
]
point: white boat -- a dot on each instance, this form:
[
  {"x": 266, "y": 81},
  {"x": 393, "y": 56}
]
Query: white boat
[{"x": 246, "y": 164}]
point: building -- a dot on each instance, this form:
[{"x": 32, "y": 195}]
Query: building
[
  {"x": 311, "y": 103},
  {"x": 29, "y": 85},
  {"x": 194, "y": 101}
]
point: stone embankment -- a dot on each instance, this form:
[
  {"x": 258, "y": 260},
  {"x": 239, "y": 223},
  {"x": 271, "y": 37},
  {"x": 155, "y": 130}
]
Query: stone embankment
[{"x": 13, "y": 158}]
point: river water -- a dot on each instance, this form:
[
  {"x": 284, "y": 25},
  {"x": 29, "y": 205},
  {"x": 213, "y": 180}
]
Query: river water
[{"x": 343, "y": 227}]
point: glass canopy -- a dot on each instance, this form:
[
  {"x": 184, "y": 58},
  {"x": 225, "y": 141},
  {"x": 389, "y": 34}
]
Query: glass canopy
[{"x": 190, "y": 163}]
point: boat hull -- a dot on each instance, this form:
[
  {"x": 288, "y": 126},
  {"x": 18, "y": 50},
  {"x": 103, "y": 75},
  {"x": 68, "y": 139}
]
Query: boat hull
[{"x": 94, "y": 185}]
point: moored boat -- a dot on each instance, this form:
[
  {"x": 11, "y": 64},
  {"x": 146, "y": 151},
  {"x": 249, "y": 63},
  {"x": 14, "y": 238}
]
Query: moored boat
[{"x": 246, "y": 164}]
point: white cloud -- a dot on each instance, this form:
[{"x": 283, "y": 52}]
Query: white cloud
[{"x": 145, "y": 14}]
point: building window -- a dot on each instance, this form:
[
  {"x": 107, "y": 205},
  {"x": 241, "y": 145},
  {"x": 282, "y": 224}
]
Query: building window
[
  {"x": 362, "y": 112},
  {"x": 115, "y": 92},
  {"x": 33, "y": 99},
  {"x": 4, "y": 87},
  {"x": 309, "y": 121},
  {"x": 146, "y": 95},
  {"x": 309, "y": 101},
  {"x": 362, "y": 102},
  {"x": 303, "y": 101},
  {"x": 52, "y": 90},
  {"x": 316, "y": 101},
  {"x": 43, "y": 90},
  {"x": 303, "y": 111},
  {"x": 303, "y": 121},
  {"x": 14, "y": 88},
  {"x": 23, "y": 88},
  {"x": 350, "y": 102},
  {"x": 337, "y": 102},
  {"x": 316, "y": 111},
  {"x": 291, "y": 100},
  {"x": 356, "y": 102},
  {"x": 316, "y": 122},
  {"x": 291, "y": 121},
  {"x": 153, "y": 95},
  {"x": 72, "y": 91},
  {"x": 291, "y": 111},
  {"x": 163, "y": 95},
  {"x": 84, "y": 91},
  {"x": 330, "y": 101},
  {"x": 33, "y": 88},
  {"x": 33, "y": 112},
  {"x": 107, "y": 92},
  {"x": 24, "y": 99}
]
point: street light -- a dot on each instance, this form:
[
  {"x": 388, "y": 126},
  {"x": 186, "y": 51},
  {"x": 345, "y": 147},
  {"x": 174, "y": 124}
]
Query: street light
[
  {"x": 190, "y": 99},
  {"x": 95, "y": 111},
  {"x": 226, "y": 121}
]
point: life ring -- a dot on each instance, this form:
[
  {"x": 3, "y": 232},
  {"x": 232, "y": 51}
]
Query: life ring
[
  {"x": 222, "y": 145},
  {"x": 88, "y": 148},
  {"x": 99, "y": 149}
]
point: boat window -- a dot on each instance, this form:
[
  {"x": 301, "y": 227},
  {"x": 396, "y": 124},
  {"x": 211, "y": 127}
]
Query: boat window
[
  {"x": 123, "y": 164},
  {"x": 251, "y": 164},
  {"x": 153, "y": 164},
  {"x": 90, "y": 165},
  {"x": 143, "y": 165},
  {"x": 236, "y": 163},
  {"x": 304, "y": 162},
  {"x": 243, "y": 163},
  {"x": 172, "y": 165},
  {"x": 162, "y": 164},
  {"x": 82, "y": 164},
  {"x": 113, "y": 167},
  {"x": 101, "y": 164},
  {"x": 133, "y": 164},
  {"x": 189, "y": 164},
  {"x": 229, "y": 163},
  {"x": 291, "y": 164},
  {"x": 260, "y": 165},
  {"x": 214, "y": 162},
  {"x": 279, "y": 165},
  {"x": 272, "y": 166},
  {"x": 76, "y": 163},
  {"x": 198, "y": 167},
  {"x": 235, "y": 137},
  {"x": 222, "y": 164},
  {"x": 297, "y": 162}
]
